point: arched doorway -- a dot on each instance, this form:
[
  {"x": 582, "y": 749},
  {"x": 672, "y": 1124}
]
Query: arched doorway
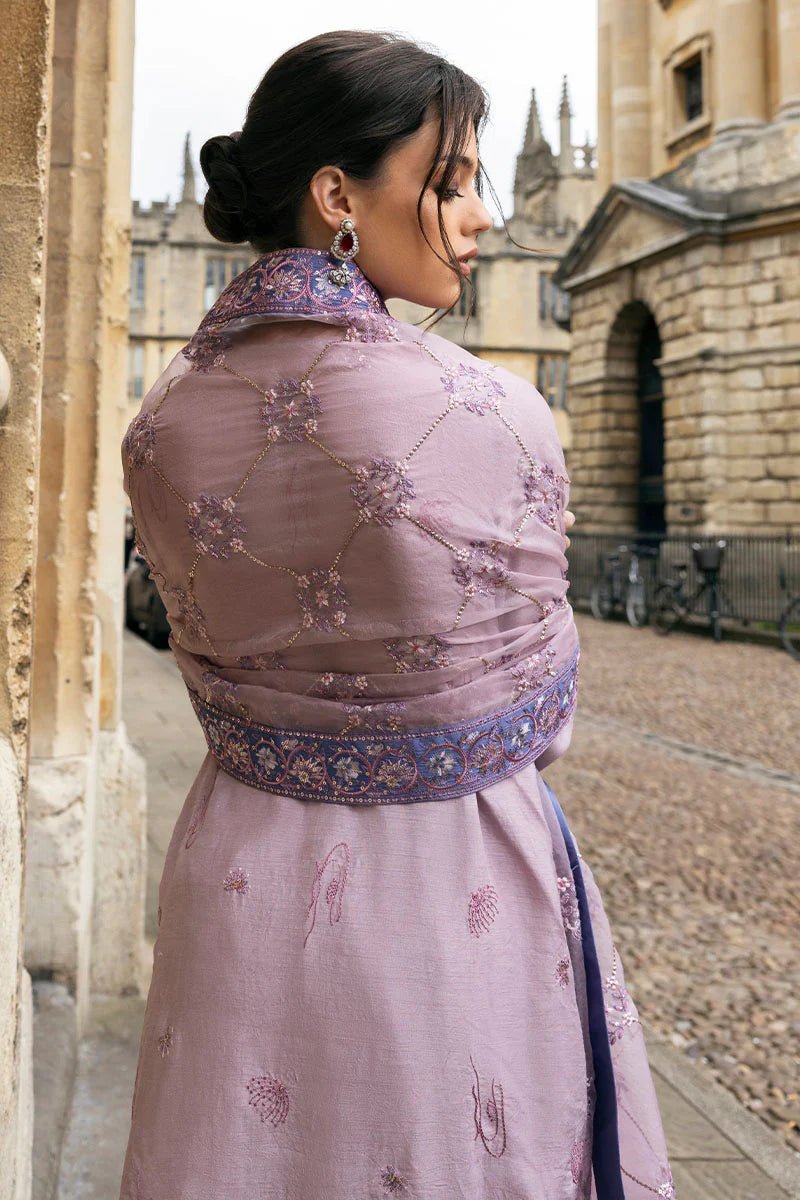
[
  {"x": 650, "y": 395},
  {"x": 634, "y": 402}
]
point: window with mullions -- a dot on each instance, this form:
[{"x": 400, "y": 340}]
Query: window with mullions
[
  {"x": 216, "y": 279},
  {"x": 137, "y": 280},
  {"x": 136, "y": 371},
  {"x": 551, "y": 378}
]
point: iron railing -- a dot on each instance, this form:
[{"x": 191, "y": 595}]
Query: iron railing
[{"x": 759, "y": 571}]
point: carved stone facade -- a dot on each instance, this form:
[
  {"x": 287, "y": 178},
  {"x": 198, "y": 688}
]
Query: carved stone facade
[
  {"x": 72, "y": 789},
  {"x": 685, "y": 396}
]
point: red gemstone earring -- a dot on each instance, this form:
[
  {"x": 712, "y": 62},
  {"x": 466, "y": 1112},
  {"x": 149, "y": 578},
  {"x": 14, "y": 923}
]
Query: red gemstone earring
[{"x": 344, "y": 246}]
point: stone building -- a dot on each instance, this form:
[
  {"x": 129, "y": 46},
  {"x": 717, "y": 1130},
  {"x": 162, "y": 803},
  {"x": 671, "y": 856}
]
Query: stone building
[
  {"x": 519, "y": 318},
  {"x": 72, "y": 789},
  {"x": 177, "y": 272},
  {"x": 685, "y": 313}
]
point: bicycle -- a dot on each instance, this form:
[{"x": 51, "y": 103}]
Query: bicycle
[
  {"x": 789, "y": 620},
  {"x": 607, "y": 592},
  {"x": 671, "y": 603}
]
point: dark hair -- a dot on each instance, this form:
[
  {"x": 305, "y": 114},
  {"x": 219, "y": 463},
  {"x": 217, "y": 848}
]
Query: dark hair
[{"x": 344, "y": 98}]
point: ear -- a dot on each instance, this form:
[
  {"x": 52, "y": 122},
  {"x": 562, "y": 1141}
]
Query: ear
[{"x": 330, "y": 196}]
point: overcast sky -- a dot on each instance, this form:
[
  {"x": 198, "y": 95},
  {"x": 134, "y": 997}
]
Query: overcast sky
[{"x": 198, "y": 61}]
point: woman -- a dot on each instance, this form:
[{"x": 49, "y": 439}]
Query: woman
[{"x": 381, "y": 966}]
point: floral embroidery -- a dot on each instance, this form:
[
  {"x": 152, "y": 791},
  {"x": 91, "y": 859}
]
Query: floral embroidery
[
  {"x": 206, "y": 349},
  {"x": 308, "y": 770},
  {"x": 543, "y": 491},
  {"x": 165, "y": 1041},
  {"x": 380, "y": 717},
  {"x": 190, "y": 614},
  {"x": 139, "y": 440},
  {"x": 270, "y": 1098},
  {"x": 271, "y": 661},
  {"x": 530, "y": 673},
  {"x": 480, "y": 569},
  {"x": 215, "y": 525},
  {"x": 290, "y": 411},
  {"x": 392, "y": 1182},
  {"x": 288, "y": 282},
  {"x": 495, "y": 1142},
  {"x": 339, "y": 859},
  {"x": 339, "y": 685},
  {"x": 666, "y": 1187},
  {"x": 322, "y": 599},
  {"x": 395, "y": 774},
  {"x": 442, "y": 765},
  {"x": 473, "y": 387},
  {"x": 418, "y": 653},
  {"x": 415, "y": 765},
  {"x": 621, "y": 1011},
  {"x": 237, "y": 880},
  {"x": 371, "y": 327},
  {"x": 580, "y": 1163},
  {"x": 382, "y": 491},
  {"x": 486, "y": 755},
  {"x": 562, "y": 972},
  {"x": 570, "y": 912},
  {"x": 482, "y": 909},
  {"x": 223, "y": 692}
]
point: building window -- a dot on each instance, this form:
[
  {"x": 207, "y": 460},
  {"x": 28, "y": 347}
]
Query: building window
[
  {"x": 137, "y": 280},
  {"x": 136, "y": 372},
  {"x": 553, "y": 301},
  {"x": 551, "y": 378},
  {"x": 690, "y": 75},
  {"x": 687, "y": 107},
  {"x": 237, "y": 265},
  {"x": 216, "y": 279}
]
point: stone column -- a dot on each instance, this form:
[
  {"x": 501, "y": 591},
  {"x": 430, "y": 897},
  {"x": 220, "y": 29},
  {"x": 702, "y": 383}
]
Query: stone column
[
  {"x": 789, "y": 58},
  {"x": 630, "y": 89},
  {"x": 25, "y": 118},
  {"x": 738, "y": 66},
  {"x": 605, "y": 149},
  {"x": 84, "y": 908}
]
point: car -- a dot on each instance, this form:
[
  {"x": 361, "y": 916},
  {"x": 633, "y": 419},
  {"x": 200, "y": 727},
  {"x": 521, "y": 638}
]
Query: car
[{"x": 144, "y": 609}]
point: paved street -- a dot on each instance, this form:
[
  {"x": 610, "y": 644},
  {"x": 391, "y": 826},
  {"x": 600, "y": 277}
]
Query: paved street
[{"x": 682, "y": 785}]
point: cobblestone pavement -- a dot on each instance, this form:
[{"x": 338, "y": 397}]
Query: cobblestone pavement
[{"x": 682, "y": 786}]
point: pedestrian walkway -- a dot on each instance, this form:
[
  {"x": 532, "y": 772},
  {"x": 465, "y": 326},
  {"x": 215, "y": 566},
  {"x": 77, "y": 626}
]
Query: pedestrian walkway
[{"x": 718, "y": 1150}]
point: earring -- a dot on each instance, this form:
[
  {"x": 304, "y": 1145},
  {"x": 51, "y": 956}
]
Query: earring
[{"x": 344, "y": 246}]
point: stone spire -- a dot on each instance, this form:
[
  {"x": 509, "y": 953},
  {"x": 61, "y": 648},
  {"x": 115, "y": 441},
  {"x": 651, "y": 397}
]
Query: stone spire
[
  {"x": 566, "y": 161},
  {"x": 535, "y": 160},
  {"x": 533, "y": 132},
  {"x": 188, "y": 192}
]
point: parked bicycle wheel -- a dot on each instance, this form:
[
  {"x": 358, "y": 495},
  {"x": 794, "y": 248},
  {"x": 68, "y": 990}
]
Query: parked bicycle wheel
[
  {"x": 790, "y": 627},
  {"x": 636, "y": 604},
  {"x": 666, "y": 613},
  {"x": 601, "y": 600}
]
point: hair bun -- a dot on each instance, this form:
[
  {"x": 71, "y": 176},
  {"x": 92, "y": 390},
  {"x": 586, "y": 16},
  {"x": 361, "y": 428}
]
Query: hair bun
[{"x": 225, "y": 204}]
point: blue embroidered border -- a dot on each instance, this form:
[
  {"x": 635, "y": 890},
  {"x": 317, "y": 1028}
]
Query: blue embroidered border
[
  {"x": 378, "y": 767},
  {"x": 605, "y": 1139}
]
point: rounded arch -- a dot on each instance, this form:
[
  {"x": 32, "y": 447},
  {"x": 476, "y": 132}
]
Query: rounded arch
[{"x": 633, "y": 351}]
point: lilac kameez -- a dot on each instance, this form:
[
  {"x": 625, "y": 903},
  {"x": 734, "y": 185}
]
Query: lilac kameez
[{"x": 382, "y": 965}]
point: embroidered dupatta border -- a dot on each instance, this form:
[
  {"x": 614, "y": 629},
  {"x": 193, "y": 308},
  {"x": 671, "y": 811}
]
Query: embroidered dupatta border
[{"x": 379, "y": 767}]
